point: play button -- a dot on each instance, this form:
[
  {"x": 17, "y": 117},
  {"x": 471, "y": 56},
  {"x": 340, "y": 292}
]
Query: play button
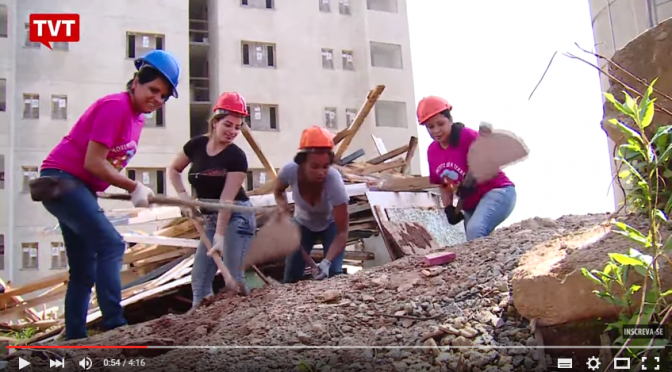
[{"x": 23, "y": 363}]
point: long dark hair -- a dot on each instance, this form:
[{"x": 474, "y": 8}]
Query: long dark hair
[{"x": 147, "y": 74}]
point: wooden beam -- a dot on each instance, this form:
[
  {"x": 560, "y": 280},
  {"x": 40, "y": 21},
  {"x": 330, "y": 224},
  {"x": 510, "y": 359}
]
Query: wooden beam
[
  {"x": 356, "y": 189},
  {"x": 161, "y": 240},
  {"x": 389, "y": 155},
  {"x": 247, "y": 133},
  {"x": 44, "y": 283},
  {"x": 371, "y": 100},
  {"x": 406, "y": 184},
  {"x": 412, "y": 146},
  {"x": 381, "y": 167}
]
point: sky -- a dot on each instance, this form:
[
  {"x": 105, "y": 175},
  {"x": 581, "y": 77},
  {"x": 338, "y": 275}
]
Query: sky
[{"x": 485, "y": 57}]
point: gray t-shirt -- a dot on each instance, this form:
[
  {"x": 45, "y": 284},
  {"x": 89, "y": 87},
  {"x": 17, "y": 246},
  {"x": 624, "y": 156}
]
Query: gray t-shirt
[{"x": 315, "y": 218}]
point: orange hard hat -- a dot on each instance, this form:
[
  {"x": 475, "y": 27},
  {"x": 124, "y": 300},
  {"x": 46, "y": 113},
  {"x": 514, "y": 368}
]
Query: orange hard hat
[
  {"x": 231, "y": 102},
  {"x": 430, "y": 106},
  {"x": 316, "y": 138}
]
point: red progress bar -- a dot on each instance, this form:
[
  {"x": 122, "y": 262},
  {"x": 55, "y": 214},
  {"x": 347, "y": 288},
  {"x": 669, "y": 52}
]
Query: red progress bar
[{"x": 76, "y": 347}]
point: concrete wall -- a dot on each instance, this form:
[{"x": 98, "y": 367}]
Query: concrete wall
[
  {"x": 98, "y": 65},
  {"x": 615, "y": 24}
]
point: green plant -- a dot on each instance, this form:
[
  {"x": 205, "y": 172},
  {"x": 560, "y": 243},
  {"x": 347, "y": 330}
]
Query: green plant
[{"x": 645, "y": 160}]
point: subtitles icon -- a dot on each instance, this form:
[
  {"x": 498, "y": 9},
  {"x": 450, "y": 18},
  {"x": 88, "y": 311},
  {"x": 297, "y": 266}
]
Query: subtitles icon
[
  {"x": 565, "y": 363},
  {"x": 86, "y": 363},
  {"x": 621, "y": 363}
]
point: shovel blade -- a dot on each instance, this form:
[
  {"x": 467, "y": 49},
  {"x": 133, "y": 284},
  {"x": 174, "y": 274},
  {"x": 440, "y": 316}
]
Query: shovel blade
[
  {"x": 488, "y": 154},
  {"x": 277, "y": 239}
]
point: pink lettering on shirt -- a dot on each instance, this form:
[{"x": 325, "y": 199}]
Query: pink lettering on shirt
[
  {"x": 110, "y": 121},
  {"x": 451, "y": 164}
]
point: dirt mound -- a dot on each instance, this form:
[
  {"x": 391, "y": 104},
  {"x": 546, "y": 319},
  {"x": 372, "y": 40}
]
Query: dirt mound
[{"x": 379, "y": 314}]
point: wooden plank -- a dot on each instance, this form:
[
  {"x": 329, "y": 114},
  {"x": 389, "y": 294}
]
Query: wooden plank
[
  {"x": 409, "y": 238},
  {"x": 269, "y": 200},
  {"x": 389, "y": 155},
  {"x": 406, "y": 184},
  {"x": 155, "y": 214},
  {"x": 412, "y": 146},
  {"x": 382, "y": 167},
  {"x": 37, "y": 301},
  {"x": 163, "y": 257},
  {"x": 176, "y": 230},
  {"x": 37, "y": 285},
  {"x": 371, "y": 100},
  {"x": 144, "y": 295},
  {"x": 247, "y": 133},
  {"x": 352, "y": 157},
  {"x": 160, "y": 240},
  {"x": 318, "y": 253}
]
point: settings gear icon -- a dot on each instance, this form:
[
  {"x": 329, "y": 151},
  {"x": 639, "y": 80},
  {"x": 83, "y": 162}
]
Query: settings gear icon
[{"x": 593, "y": 363}]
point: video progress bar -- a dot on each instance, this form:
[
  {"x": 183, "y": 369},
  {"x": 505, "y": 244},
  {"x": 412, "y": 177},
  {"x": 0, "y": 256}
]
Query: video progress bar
[{"x": 307, "y": 347}]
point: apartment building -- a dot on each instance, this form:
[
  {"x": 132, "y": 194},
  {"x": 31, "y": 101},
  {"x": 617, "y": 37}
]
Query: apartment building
[
  {"x": 297, "y": 62},
  {"x": 617, "y": 22}
]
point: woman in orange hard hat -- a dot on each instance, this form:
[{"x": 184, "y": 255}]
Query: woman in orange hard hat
[
  {"x": 485, "y": 205},
  {"x": 218, "y": 170},
  {"x": 320, "y": 204}
]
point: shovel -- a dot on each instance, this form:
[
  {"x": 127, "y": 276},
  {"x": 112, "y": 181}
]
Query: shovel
[
  {"x": 278, "y": 238},
  {"x": 229, "y": 281},
  {"x": 492, "y": 151}
]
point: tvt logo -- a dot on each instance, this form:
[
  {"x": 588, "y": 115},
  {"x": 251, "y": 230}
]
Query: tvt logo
[{"x": 49, "y": 28}]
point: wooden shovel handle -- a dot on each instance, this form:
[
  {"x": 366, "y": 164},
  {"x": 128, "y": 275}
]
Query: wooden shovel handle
[
  {"x": 165, "y": 200},
  {"x": 229, "y": 280}
]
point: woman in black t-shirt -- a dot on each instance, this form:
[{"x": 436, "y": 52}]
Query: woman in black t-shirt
[{"x": 218, "y": 170}]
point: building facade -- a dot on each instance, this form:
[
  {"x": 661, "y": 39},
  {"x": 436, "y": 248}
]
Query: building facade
[
  {"x": 298, "y": 63},
  {"x": 615, "y": 24}
]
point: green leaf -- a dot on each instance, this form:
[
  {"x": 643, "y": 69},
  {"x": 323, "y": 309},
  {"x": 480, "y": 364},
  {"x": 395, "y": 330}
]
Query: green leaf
[
  {"x": 631, "y": 233},
  {"x": 625, "y": 260},
  {"x": 666, "y": 293},
  {"x": 663, "y": 158},
  {"x": 631, "y": 106},
  {"x": 624, "y": 173},
  {"x": 590, "y": 276},
  {"x": 634, "y": 288},
  {"x": 626, "y": 130},
  {"x": 661, "y": 132}
]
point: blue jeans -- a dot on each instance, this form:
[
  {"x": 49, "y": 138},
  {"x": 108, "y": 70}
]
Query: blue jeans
[
  {"x": 493, "y": 208},
  {"x": 237, "y": 240},
  {"x": 95, "y": 251},
  {"x": 295, "y": 265}
]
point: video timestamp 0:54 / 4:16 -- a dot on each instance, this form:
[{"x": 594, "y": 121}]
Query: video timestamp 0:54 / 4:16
[{"x": 124, "y": 362}]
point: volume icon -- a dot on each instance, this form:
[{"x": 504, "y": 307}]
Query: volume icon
[
  {"x": 86, "y": 363},
  {"x": 57, "y": 363}
]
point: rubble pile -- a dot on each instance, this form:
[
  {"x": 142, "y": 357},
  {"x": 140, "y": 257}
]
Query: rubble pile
[{"x": 380, "y": 313}]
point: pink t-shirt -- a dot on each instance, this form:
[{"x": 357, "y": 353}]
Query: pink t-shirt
[
  {"x": 452, "y": 162},
  {"x": 110, "y": 121}
]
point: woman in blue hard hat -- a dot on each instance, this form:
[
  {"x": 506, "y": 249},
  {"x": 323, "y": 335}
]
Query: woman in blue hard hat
[{"x": 87, "y": 160}]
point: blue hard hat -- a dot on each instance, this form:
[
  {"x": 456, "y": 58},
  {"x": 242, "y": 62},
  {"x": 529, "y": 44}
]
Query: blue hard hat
[{"x": 165, "y": 63}]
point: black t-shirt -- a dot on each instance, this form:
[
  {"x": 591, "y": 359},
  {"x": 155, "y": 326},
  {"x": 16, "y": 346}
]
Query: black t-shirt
[{"x": 208, "y": 173}]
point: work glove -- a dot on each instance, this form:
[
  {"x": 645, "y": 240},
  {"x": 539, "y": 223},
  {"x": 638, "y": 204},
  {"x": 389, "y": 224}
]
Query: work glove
[
  {"x": 140, "y": 195},
  {"x": 217, "y": 246},
  {"x": 467, "y": 187},
  {"x": 186, "y": 211},
  {"x": 453, "y": 217},
  {"x": 485, "y": 128},
  {"x": 322, "y": 271}
]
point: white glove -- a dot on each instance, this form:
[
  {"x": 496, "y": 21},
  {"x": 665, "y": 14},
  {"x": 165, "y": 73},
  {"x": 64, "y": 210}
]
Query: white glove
[
  {"x": 485, "y": 128},
  {"x": 186, "y": 211},
  {"x": 140, "y": 195},
  {"x": 323, "y": 268},
  {"x": 217, "y": 246}
]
